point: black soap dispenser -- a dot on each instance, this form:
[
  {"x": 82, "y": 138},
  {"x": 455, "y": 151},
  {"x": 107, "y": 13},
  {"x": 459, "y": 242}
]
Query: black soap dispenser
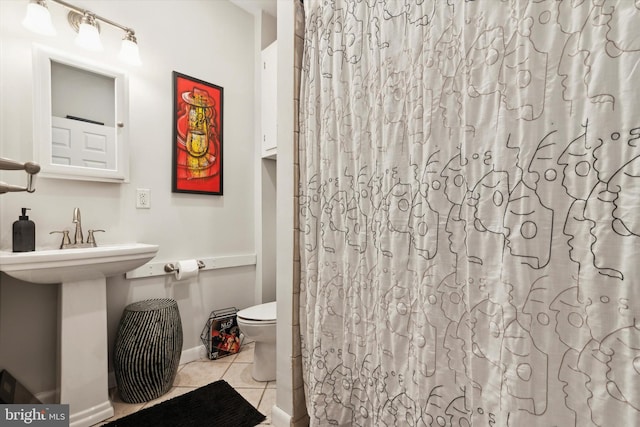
[{"x": 24, "y": 233}]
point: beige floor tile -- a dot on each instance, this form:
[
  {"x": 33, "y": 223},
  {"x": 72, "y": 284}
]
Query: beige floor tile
[
  {"x": 267, "y": 402},
  {"x": 271, "y": 384},
  {"x": 252, "y": 395},
  {"x": 200, "y": 373},
  {"x": 120, "y": 408},
  {"x": 239, "y": 376},
  {"x": 226, "y": 359},
  {"x": 246, "y": 354}
]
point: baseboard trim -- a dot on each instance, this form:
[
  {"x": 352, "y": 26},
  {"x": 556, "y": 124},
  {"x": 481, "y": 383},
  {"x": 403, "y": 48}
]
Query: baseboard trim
[
  {"x": 280, "y": 418},
  {"x": 193, "y": 354},
  {"x": 47, "y": 397}
]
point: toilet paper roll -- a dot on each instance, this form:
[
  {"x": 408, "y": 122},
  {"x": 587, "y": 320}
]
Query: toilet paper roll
[{"x": 186, "y": 269}]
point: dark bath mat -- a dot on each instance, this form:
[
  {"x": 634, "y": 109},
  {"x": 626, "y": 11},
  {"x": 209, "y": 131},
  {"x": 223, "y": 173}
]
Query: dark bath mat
[{"x": 215, "y": 405}]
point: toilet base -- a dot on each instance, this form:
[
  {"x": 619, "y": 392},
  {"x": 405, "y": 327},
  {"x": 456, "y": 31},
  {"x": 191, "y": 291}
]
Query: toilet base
[{"x": 264, "y": 361}]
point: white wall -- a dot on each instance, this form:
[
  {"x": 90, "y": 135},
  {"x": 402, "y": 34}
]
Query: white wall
[
  {"x": 266, "y": 176},
  {"x": 210, "y": 40}
]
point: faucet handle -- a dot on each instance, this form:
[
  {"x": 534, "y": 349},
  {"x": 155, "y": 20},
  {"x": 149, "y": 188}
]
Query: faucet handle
[
  {"x": 91, "y": 239},
  {"x": 66, "y": 241}
]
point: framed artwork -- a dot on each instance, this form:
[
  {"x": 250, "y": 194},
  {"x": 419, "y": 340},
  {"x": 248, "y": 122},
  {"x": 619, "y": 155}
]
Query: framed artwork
[{"x": 197, "y": 136}]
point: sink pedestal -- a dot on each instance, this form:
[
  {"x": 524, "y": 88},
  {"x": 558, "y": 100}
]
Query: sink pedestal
[{"x": 83, "y": 351}]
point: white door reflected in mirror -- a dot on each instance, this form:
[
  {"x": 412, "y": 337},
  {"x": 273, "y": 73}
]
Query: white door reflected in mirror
[{"x": 81, "y": 109}]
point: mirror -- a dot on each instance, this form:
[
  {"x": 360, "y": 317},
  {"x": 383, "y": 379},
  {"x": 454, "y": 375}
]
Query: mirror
[{"x": 80, "y": 118}]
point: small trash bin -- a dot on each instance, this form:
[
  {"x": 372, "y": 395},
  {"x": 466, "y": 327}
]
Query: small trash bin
[{"x": 147, "y": 349}]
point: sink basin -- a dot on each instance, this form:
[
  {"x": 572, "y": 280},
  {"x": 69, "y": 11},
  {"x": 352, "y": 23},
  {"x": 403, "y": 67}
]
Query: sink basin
[
  {"x": 62, "y": 265},
  {"x": 82, "y": 357}
]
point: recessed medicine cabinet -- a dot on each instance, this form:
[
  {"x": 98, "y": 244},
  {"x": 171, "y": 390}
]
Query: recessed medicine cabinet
[{"x": 80, "y": 118}]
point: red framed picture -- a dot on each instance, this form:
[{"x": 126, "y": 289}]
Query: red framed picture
[{"x": 197, "y": 136}]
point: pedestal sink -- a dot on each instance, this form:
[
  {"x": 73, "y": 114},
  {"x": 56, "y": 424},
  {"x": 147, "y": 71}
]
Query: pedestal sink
[{"x": 82, "y": 316}]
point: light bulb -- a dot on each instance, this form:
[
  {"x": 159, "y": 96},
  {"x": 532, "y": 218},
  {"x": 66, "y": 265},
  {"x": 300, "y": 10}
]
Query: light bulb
[
  {"x": 38, "y": 18},
  {"x": 129, "y": 52},
  {"x": 88, "y": 35}
]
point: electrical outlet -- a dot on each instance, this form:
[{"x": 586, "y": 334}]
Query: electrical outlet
[{"x": 143, "y": 198}]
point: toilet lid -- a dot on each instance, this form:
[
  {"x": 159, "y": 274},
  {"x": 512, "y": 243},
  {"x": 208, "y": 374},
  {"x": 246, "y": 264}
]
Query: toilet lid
[{"x": 262, "y": 312}]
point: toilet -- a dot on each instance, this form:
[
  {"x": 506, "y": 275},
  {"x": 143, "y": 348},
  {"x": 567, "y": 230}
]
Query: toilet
[{"x": 258, "y": 323}]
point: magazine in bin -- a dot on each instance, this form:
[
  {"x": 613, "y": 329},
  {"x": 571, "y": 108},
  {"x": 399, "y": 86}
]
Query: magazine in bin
[{"x": 221, "y": 334}]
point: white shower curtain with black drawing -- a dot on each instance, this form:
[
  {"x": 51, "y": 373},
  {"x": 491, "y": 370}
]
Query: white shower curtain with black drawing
[{"x": 470, "y": 212}]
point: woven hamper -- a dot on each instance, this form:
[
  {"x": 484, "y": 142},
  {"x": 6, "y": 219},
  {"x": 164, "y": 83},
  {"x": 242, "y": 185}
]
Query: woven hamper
[{"x": 147, "y": 349}]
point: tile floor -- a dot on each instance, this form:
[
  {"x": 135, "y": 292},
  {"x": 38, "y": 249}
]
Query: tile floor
[{"x": 235, "y": 369}]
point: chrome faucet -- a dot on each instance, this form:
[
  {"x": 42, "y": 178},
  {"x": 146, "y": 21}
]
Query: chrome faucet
[
  {"x": 78, "y": 240},
  {"x": 77, "y": 220}
]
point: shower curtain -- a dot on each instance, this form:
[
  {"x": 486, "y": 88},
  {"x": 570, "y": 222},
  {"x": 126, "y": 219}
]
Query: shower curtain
[{"x": 469, "y": 209}]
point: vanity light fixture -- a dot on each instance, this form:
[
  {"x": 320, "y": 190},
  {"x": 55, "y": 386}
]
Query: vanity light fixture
[
  {"x": 86, "y": 24},
  {"x": 88, "y": 33}
]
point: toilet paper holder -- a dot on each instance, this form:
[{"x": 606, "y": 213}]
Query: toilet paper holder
[{"x": 171, "y": 268}]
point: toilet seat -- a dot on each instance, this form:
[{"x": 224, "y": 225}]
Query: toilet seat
[
  {"x": 262, "y": 313},
  {"x": 247, "y": 322}
]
